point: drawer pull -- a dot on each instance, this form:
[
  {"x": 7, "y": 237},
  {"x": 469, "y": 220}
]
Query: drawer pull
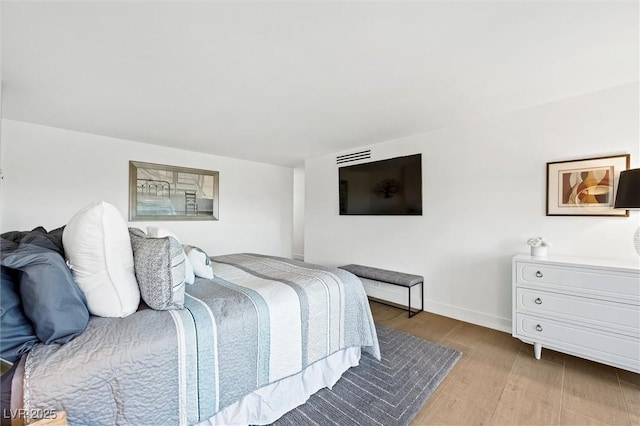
[
  {"x": 538, "y": 274},
  {"x": 538, "y": 301},
  {"x": 538, "y": 327}
]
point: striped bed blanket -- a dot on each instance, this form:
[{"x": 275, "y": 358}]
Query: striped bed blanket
[{"x": 261, "y": 319}]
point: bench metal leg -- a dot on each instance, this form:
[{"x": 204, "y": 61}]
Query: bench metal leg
[
  {"x": 410, "y": 310},
  {"x": 412, "y": 313}
]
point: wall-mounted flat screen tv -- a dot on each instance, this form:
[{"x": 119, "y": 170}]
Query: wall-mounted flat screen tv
[{"x": 386, "y": 187}]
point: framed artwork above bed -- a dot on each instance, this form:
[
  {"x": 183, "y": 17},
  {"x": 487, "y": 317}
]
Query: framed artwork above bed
[
  {"x": 163, "y": 192},
  {"x": 585, "y": 187}
]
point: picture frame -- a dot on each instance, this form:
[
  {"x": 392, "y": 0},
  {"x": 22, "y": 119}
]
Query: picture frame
[
  {"x": 585, "y": 187},
  {"x": 159, "y": 192}
]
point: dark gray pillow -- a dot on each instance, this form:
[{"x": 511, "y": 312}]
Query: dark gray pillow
[
  {"x": 159, "y": 265},
  {"x": 38, "y": 237},
  {"x": 50, "y": 297},
  {"x": 18, "y": 335}
]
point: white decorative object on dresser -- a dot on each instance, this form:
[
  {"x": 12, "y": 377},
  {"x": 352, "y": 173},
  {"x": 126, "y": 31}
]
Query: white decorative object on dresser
[{"x": 581, "y": 306}]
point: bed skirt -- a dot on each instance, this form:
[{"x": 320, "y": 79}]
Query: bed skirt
[{"x": 269, "y": 403}]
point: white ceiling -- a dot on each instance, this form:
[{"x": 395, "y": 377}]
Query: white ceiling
[{"x": 281, "y": 82}]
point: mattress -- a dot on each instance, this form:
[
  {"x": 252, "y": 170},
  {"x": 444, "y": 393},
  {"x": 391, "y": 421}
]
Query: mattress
[{"x": 261, "y": 322}]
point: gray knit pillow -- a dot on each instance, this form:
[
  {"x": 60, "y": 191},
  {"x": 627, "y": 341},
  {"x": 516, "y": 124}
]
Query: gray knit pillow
[{"x": 159, "y": 267}]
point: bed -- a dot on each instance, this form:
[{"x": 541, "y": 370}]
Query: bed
[{"x": 251, "y": 344}]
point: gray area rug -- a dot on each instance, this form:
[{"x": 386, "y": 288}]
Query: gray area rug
[{"x": 388, "y": 392}]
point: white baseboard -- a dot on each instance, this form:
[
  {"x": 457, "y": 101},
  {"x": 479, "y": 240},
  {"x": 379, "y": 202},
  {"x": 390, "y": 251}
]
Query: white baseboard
[
  {"x": 298, "y": 256},
  {"x": 398, "y": 295},
  {"x": 468, "y": 315}
]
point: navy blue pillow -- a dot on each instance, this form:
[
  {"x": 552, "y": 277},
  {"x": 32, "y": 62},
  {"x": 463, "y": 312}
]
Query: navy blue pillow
[
  {"x": 18, "y": 335},
  {"x": 50, "y": 297}
]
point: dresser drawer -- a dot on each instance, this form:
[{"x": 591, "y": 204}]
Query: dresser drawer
[
  {"x": 593, "y": 344},
  {"x": 616, "y": 285},
  {"x": 625, "y": 318}
]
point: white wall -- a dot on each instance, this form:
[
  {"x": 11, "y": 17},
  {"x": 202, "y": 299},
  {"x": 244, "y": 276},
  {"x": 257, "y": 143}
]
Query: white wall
[
  {"x": 1, "y": 106},
  {"x": 298, "y": 213},
  {"x": 483, "y": 196},
  {"x": 51, "y": 173}
]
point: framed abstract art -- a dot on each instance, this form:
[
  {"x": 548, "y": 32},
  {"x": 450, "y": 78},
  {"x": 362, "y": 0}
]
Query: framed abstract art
[{"x": 585, "y": 187}]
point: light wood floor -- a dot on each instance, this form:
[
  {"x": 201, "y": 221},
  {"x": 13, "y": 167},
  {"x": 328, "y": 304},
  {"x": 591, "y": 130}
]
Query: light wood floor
[{"x": 499, "y": 382}]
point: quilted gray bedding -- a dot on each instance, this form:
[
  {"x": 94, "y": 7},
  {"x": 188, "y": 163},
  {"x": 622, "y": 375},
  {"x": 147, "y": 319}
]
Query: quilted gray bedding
[{"x": 259, "y": 320}]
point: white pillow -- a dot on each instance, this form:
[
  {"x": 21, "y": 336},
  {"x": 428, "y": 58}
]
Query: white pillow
[
  {"x": 97, "y": 245},
  {"x": 200, "y": 262},
  {"x": 158, "y": 232}
]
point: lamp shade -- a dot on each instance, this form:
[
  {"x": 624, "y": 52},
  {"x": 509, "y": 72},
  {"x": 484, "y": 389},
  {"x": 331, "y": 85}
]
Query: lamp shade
[{"x": 628, "y": 196}]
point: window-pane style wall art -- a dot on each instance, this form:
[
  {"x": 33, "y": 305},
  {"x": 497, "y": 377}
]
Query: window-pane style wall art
[
  {"x": 585, "y": 187},
  {"x": 162, "y": 192}
]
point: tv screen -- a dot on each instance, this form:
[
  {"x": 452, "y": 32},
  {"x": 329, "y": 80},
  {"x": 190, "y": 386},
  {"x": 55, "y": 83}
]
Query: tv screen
[{"x": 386, "y": 187}]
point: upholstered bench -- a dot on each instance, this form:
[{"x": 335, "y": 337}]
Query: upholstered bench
[{"x": 391, "y": 277}]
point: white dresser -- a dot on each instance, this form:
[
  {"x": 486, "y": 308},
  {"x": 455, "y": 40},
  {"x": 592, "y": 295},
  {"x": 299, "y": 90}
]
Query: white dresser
[{"x": 581, "y": 306}]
